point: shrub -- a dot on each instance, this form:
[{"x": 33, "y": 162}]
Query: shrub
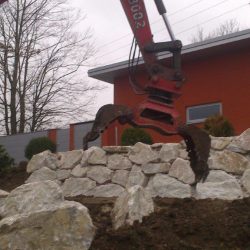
[
  {"x": 131, "y": 136},
  {"x": 5, "y": 160},
  {"x": 38, "y": 145},
  {"x": 218, "y": 126}
]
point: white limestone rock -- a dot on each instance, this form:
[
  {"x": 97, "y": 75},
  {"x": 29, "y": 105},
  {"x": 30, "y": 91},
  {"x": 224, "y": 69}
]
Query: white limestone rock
[
  {"x": 142, "y": 153},
  {"x": 228, "y": 161},
  {"x": 44, "y": 159},
  {"x": 85, "y": 157},
  {"x": 97, "y": 156},
  {"x": 3, "y": 194},
  {"x": 68, "y": 160},
  {"x": 62, "y": 174},
  {"x": 183, "y": 154},
  {"x": 136, "y": 177},
  {"x": 42, "y": 174},
  {"x": 162, "y": 185},
  {"x": 108, "y": 191},
  {"x": 227, "y": 190},
  {"x": 120, "y": 177},
  {"x": 157, "y": 145},
  {"x": 220, "y": 143},
  {"x": 99, "y": 174},
  {"x": 117, "y": 149},
  {"x": 169, "y": 152},
  {"x": 79, "y": 171},
  {"x": 132, "y": 205},
  {"x": 182, "y": 171},
  {"x": 120, "y": 162},
  {"x": 245, "y": 180},
  {"x": 156, "y": 168},
  {"x": 77, "y": 186},
  {"x": 233, "y": 147},
  {"x": 32, "y": 197},
  {"x": 243, "y": 140},
  {"x": 64, "y": 226},
  {"x": 219, "y": 176}
]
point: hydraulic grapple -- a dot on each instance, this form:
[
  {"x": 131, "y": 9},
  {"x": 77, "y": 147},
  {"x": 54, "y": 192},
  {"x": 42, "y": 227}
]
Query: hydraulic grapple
[{"x": 161, "y": 90}]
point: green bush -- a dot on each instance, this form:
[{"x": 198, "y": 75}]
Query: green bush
[
  {"x": 38, "y": 145},
  {"x": 131, "y": 136},
  {"x": 218, "y": 126},
  {"x": 5, "y": 160}
]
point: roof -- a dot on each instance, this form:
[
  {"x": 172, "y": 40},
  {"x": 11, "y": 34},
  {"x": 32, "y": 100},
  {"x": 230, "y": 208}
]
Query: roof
[{"x": 216, "y": 45}]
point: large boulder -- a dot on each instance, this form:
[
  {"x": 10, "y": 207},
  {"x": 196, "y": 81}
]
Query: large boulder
[
  {"x": 108, "y": 191},
  {"x": 169, "y": 152},
  {"x": 3, "y": 194},
  {"x": 142, "y": 153},
  {"x": 243, "y": 140},
  {"x": 136, "y": 177},
  {"x": 228, "y": 161},
  {"x": 182, "y": 171},
  {"x": 219, "y": 176},
  {"x": 227, "y": 190},
  {"x": 162, "y": 185},
  {"x": 99, "y": 174},
  {"x": 44, "y": 159},
  {"x": 77, "y": 186},
  {"x": 156, "y": 168},
  {"x": 42, "y": 174},
  {"x": 68, "y": 160},
  {"x": 62, "y": 174},
  {"x": 120, "y": 177},
  {"x": 117, "y": 161},
  {"x": 32, "y": 196},
  {"x": 245, "y": 180},
  {"x": 96, "y": 156},
  {"x": 132, "y": 205},
  {"x": 79, "y": 171},
  {"x": 63, "y": 226},
  {"x": 220, "y": 143}
]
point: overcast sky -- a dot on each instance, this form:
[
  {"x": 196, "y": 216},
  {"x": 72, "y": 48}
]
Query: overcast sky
[{"x": 112, "y": 34}]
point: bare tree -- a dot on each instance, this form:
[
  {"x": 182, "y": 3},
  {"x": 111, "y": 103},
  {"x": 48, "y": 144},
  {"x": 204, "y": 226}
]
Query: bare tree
[
  {"x": 42, "y": 58},
  {"x": 228, "y": 27}
]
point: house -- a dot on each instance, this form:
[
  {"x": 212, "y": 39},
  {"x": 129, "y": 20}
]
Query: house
[{"x": 218, "y": 81}]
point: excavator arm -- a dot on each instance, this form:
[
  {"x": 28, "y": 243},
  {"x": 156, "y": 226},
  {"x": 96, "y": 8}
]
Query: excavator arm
[{"x": 161, "y": 90}]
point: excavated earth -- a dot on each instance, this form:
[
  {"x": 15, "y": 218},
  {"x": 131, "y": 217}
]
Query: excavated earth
[{"x": 176, "y": 224}]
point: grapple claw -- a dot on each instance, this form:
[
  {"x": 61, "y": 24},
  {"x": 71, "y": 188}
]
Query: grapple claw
[
  {"x": 198, "y": 145},
  {"x": 106, "y": 115}
]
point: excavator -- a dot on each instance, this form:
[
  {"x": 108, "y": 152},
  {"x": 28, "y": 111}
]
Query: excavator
[{"x": 161, "y": 90}]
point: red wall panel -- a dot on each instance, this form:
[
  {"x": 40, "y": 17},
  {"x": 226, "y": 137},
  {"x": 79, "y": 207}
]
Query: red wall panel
[{"x": 222, "y": 78}]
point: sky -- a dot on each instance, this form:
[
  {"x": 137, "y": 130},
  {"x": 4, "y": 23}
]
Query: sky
[{"x": 112, "y": 35}]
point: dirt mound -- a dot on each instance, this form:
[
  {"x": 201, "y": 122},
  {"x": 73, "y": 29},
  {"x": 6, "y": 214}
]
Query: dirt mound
[{"x": 177, "y": 224}]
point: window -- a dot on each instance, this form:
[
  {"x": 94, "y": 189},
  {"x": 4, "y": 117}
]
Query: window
[{"x": 199, "y": 113}]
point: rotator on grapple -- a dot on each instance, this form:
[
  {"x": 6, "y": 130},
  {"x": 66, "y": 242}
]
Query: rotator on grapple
[{"x": 161, "y": 89}]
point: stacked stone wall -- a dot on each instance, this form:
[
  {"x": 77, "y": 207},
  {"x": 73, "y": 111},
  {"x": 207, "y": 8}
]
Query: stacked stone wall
[{"x": 162, "y": 169}]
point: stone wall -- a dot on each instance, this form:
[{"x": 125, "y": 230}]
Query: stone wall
[{"x": 162, "y": 169}]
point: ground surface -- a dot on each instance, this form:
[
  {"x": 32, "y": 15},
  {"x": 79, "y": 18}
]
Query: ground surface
[{"x": 177, "y": 224}]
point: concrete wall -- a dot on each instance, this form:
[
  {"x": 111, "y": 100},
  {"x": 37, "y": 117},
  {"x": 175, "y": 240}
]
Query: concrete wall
[
  {"x": 80, "y": 130},
  {"x": 65, "y": 139},
  {"x": 15, "y": 144}
]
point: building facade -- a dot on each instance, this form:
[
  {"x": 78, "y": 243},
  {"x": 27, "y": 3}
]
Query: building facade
[{"x": 218, "y": 82}]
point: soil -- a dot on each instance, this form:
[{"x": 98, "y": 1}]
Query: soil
[{"x": 176, "y": 224}]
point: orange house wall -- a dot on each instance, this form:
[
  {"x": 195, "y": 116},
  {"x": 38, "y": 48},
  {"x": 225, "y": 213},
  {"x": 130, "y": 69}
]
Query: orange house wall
[{"x": 223, "y": 78}]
